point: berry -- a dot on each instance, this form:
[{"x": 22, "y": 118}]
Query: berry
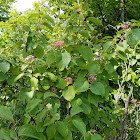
[
  {"x": 53, "y": 90},
  {"x": 92, "y": 78},
  {"x": 98, "y": 57}
]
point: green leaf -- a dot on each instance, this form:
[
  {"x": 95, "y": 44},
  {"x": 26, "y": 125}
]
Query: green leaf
[
  {"x": 29, "y": 130},
  {"x": 107, "y": 121},
  {"x": 81, "y": 63},
  {"x": 4, "y": 66},
  {"x": 40, "y": 127},
  {"x": 17, "y": 44},
  {"x": 122, "y": 46},
  {"x": 34, "y": 83},
  {"x": 138, "y": 82},
  {"x": 96, "y": 137},
  {"x": 107, "y": 45},
  {"x": 69, "y": 136},
  {"x": 76, "y": 102},
  {"x": 69, "y": 124},
  {"x": 24, "y": 66},
  {"x": 58, "y": 136},
  {"x": 109, "y": 67},
  {"x": 61, "y": 83},
  {"x": 52, "y": 76},
  {"x": 65, "y": 24},
  {"x": 94, "y": 20},
  {"x": 97, "y": 88},
  {"x": 6, "y": 114},
  {"x": 32, "y": 104},
  {"x": 49, "y": 94},
  {"x": 3, "y": 76},
  {"x": 66, "y": 58},
  {"x": 49, "y": 19},
  {"x": 50, "y": 58},
  {"x": 69, "y": 93},
  {"x": 88, "y": 136},
  {"x": 79, "y": 124},
  {"x": 47, "y": 25},
  {"x": 86, "y": 53},
  {"x": 62, "y": 129},
  {"x": 81, "y": 85},
  {"x": 39, "y": 52},
  {"x": 19, "y": 76},
  {"x": 122, "y": 55},
  {"x": 13, "y": 135},
  {"x": 5, "y": 134},
  {"x": 75, "y": 110},
  {"x": 51, "y": 130},
  {"x": 133, "y": 36},
  {"x": 93, "y": 68},
  {"x": 86, "y": 106},
  {"x": 84, "y": 33},
  {"x": 94, "y": 99}
]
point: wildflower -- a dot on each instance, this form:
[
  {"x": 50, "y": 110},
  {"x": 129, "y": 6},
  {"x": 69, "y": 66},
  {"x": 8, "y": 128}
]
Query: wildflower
[
  {"x": 125, "y": 25},
  {"x": 30, "y": 57},
  {"x": 69, "y": 80},
  {"x": 79, "y": 11},
  {"x": 2, "y": 50},
  {"x": 59, "y": 44},
  {"x": 115, "y": 53},
  {"x": 134, "y": 101}
]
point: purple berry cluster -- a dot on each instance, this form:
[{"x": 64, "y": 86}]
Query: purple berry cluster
[
  {"x": 92, "y": 78},
  {"x": 100, "y": 58}
]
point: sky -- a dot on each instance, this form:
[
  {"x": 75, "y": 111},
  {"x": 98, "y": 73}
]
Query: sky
[{"x": 23, "y": 5}]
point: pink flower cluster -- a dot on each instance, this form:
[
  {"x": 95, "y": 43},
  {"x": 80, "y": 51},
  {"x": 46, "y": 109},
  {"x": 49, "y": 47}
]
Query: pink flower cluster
[
  {"x": 79, "y": 11},
  {"x": 2, "y": 50},
  {"x": 134, "y": 101},
  {"x": 59, "y": 44},
  {"x": 125, "y": 25},
  {"x": 30, "y": 57},
  {"x": 68, "y": 79}
]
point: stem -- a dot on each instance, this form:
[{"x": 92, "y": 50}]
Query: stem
[{"x": 124, "y": 124}]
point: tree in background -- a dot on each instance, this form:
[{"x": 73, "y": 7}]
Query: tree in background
[{"x": 5, "y": 6}]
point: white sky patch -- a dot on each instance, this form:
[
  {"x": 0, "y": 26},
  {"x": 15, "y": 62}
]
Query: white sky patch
[{"x": 23, "y": 5}]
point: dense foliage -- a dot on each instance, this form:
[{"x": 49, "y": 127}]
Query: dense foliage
[
  {"x": 60, "y": 79},
  {"x": 5, "y": 6}
]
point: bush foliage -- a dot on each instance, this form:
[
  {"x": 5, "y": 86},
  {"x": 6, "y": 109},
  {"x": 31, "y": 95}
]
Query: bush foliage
[{"x": 61, "y": 78}]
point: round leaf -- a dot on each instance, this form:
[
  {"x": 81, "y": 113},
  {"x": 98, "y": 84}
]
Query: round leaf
[
  {"x": 5, "y": 113},
  {"x": 69, "y": 93},
  {"x": 4, "y": 67},
  {"x": 97, "y": 88},
  {"x": 39, "y": 52},
  {"x": 81, "y": 85},
  {"x": 96, "y": 137},
  {"x": 133, "y": 36}
]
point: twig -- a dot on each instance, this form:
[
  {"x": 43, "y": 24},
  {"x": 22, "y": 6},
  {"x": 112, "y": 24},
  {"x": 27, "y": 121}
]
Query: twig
[{"x": 68, "y": 121}]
